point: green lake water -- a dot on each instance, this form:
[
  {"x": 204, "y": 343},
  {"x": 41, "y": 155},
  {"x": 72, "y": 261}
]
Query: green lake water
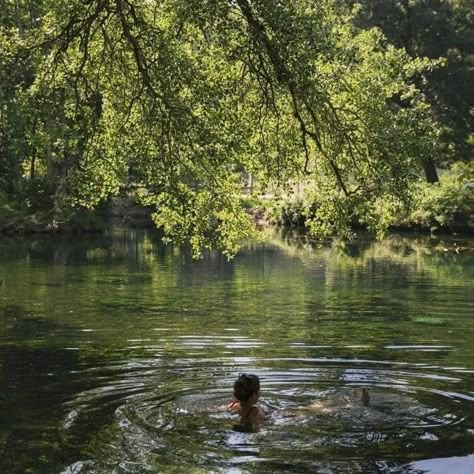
[{"x": 117, "y": 354}]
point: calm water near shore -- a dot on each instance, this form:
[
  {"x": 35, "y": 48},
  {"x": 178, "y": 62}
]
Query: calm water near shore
[{"x": 116, "y": 353}]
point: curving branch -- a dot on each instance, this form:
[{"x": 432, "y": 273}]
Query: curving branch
[{"x": 299, "y": 100}]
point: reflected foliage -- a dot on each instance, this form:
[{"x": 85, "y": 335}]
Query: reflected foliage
[{"x": 115, "y": 350}]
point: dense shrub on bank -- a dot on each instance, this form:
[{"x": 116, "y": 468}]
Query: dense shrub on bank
[
  {"x": 26, "y": 216},
  {"x": 291, "y": 212},
  {"x": 447, "y": 205}
]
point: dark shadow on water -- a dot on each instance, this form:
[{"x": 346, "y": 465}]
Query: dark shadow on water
[{"x": 35, "y": 382}]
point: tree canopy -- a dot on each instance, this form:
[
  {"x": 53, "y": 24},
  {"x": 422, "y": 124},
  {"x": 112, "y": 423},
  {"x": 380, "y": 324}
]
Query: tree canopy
[
  {"x": 435, "y": 28},
  {"x": 181, "y": 96}
]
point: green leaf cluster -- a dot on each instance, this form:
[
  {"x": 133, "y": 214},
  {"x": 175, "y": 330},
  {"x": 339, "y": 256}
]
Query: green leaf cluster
[
  {"x": 448, "y": 204},
  {"x": 178, "y": 97}
]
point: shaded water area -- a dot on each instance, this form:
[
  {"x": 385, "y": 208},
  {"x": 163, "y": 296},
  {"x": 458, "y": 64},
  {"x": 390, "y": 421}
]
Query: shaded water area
[{"x": 117, "y": 354}]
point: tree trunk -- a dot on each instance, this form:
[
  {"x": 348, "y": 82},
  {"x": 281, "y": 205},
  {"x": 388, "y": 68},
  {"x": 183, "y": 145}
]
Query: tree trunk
[
  {"x": 250, "y": 183},
  {"x": 430, "y": 171},
  {"x": 32, "y": 166}
]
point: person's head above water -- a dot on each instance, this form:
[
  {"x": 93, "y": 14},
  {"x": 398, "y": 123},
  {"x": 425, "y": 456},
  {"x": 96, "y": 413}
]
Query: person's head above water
[{"x": 246, "y": 386}]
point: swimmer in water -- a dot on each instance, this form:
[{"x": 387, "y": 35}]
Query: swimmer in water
[{"x": 246, "y": 395}]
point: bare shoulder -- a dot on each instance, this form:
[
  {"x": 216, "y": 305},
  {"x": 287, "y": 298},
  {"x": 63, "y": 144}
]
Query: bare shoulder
[{"x": 258, "y": 415}]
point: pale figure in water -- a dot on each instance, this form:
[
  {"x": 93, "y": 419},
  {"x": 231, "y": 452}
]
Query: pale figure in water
[{"x": 247, "y": 394}]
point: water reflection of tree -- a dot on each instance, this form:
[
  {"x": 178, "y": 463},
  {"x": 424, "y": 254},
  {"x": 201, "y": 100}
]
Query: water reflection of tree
[
  {"x": 378, "y": 293},
  {"x": 281, "y": 299},
  {"x": 342, "y": 291}
]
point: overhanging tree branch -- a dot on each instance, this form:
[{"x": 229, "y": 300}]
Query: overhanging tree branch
[{"x": 298, "y": 99}]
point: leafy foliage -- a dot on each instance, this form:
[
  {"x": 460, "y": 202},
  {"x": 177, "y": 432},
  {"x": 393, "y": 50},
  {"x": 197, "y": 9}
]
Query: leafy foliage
[
  {"x": 289, "y": 212},
  {"x": 448, "y": 204},
  {"x": 178, "y": 96},
  {"x": 434, "y": 28}
]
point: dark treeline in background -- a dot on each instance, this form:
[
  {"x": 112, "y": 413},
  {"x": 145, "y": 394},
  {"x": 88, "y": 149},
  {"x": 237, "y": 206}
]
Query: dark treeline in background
[{"x": 435, "y": 28}]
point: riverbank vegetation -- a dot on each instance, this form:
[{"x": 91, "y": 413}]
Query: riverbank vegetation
[
  {"x": 445, "y": 206},
  {"x": 179, "y": 99}
]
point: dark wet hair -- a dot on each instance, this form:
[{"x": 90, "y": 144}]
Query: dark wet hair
[{"x": 245, "y": 386}]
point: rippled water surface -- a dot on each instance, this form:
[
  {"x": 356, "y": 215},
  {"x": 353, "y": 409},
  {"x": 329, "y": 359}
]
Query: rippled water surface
[{"x": 118, "y": 354}]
